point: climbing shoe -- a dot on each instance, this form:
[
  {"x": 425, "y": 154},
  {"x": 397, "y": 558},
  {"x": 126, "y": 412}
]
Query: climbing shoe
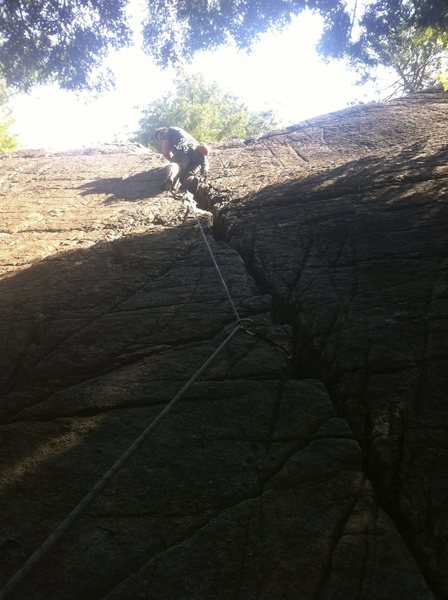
[{"x": 192, "y": 185}]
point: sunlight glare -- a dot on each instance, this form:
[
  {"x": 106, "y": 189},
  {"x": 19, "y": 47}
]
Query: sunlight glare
[{"x": 281, "y": 72}]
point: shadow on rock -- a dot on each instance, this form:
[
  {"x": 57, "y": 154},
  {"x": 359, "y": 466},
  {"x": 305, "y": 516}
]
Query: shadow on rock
[
  {"x": 140, "y": 186},
  {"x": 386, "y": 177},
  {"x": 355, "y": 258},
  {"x": 95, "y": 342}
]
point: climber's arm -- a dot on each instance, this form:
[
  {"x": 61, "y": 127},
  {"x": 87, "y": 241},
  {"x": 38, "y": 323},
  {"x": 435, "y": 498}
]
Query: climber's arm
[{"x": 166, "y": 149}]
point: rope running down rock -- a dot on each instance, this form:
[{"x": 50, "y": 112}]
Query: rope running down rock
[{"x": 67, "y": 523}]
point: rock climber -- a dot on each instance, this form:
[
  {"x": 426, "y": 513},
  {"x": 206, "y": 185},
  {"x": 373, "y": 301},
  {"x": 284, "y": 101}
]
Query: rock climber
[{"x": 188, "y": 158}]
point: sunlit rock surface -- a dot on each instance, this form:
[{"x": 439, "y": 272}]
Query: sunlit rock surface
[{"x": 310, "y": 459}]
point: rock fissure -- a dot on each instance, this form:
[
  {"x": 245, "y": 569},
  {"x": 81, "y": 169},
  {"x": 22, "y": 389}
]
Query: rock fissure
[
  {"x": 285, "y": 311},
  {"x": 282, "y": 316},
  {"x": 331, "y": 236}
]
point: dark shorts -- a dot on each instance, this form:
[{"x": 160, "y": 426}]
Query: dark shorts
[{"x": 189, "y": 162}]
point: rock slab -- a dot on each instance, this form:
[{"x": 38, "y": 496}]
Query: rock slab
[{"x": 259, "y": 483}]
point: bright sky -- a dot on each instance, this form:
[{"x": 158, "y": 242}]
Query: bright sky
[{"x": 282, "y": 72}]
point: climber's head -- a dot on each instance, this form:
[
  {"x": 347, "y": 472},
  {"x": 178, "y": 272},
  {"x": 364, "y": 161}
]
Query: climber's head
[{"x": 160, "y": 134}]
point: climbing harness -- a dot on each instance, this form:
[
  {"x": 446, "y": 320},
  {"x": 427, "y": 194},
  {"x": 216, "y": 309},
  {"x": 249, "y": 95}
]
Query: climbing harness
[{"x": 64, "y": 526}]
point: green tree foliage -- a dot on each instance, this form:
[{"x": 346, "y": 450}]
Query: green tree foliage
[
  {"x": 416, "y": 56},
  {"x": 176, "y": 29},
  {"x": 204, "y": 110},
  {"x": 7, "y": 140},
  {"x": 63, "y": 40},
  {"x": 431, "y": 13},
  {"x": 408, "y": 36},
  {"x": 443, "y": 79}
]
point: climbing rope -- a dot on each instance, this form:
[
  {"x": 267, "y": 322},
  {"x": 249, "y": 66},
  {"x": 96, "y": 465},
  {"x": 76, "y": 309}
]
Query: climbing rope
[
  {"x": 67, "y": 523},
  {"x": 188, "y": 198}
]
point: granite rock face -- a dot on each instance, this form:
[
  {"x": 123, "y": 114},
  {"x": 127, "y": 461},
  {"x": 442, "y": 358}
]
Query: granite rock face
[
  {"x": 354, "y": 251},
  {"x": 309, "y": 459}
]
